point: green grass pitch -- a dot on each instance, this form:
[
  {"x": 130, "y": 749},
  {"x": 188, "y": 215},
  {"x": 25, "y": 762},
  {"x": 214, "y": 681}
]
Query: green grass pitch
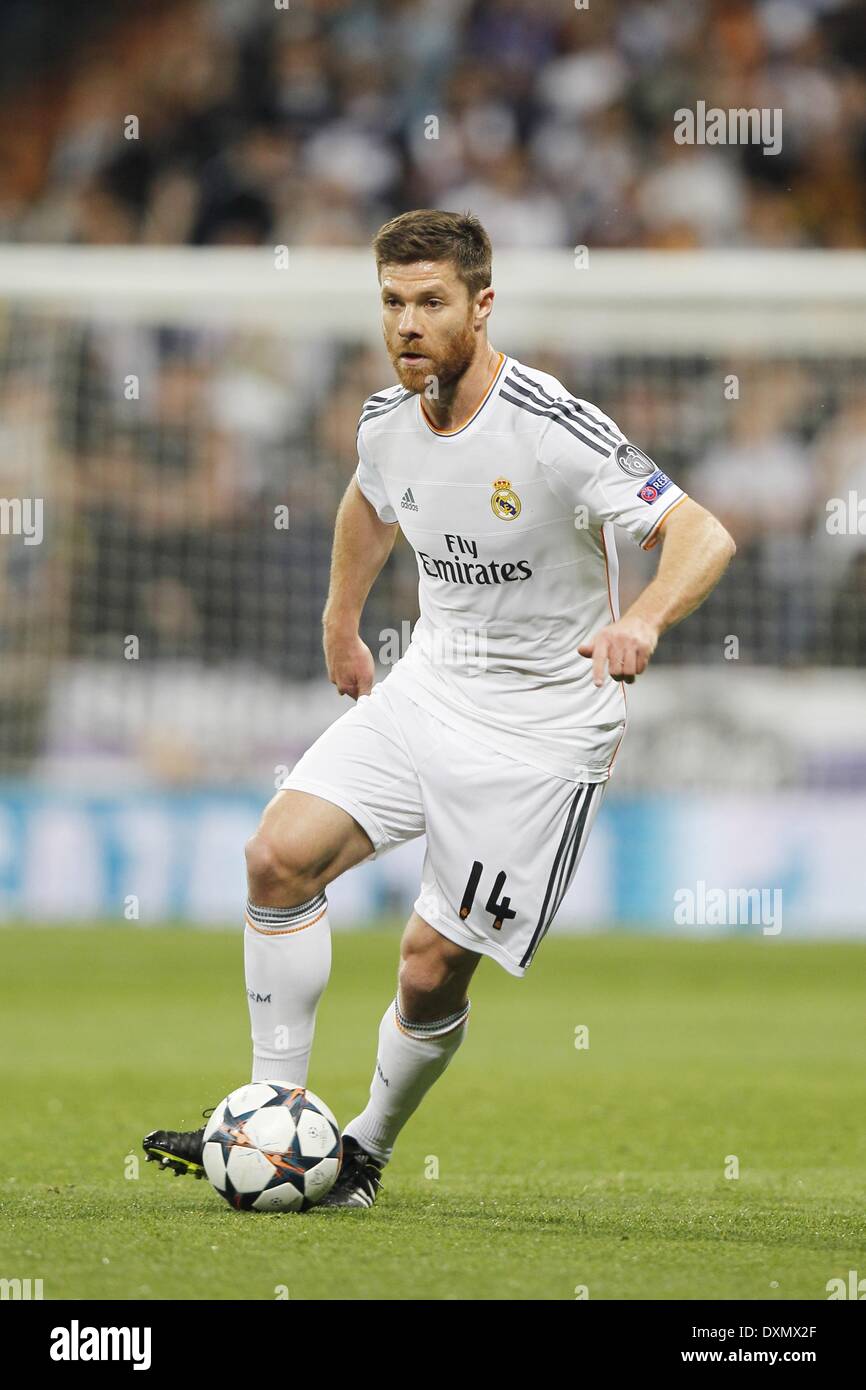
[{"x": 558, "y": 1167}]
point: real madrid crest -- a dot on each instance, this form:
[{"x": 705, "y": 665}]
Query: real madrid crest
[{"x": 505, "y": 502}]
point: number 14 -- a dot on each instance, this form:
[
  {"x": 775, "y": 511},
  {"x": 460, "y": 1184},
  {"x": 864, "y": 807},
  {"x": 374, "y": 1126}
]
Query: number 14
[{"x": 501, "y": 911}]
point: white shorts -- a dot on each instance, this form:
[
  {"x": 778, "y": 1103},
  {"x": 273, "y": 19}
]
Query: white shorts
[{"x": 503, "y": 839}]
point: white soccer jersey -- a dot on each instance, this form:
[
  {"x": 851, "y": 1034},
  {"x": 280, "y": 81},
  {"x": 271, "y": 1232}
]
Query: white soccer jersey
[{"x": 511, "y": 519}]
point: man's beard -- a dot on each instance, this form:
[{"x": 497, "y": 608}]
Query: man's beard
[{"x": 447, "y": 369}]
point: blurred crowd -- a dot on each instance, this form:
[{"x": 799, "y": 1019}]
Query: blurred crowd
[
  {"x": 199, "y": 516},
  {"x": 310, "y": 123}
]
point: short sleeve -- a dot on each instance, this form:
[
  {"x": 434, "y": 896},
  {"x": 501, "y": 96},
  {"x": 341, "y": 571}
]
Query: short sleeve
[
  {"x": 589, "y": 462},
  {"x": 370, "y": 482}
]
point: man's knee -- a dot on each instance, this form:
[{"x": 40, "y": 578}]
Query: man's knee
[
  {"x": 281, "y": 867},
  {"x": 434, "y": 974},
  {"x": 302, "y": 845}
]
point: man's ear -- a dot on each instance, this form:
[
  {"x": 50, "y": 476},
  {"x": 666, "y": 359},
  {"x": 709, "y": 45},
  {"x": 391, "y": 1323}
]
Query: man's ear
[{"x": 484, "y": 303}]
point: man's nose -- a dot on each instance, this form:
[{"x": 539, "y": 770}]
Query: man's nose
[{"x": 407, "y": 327}]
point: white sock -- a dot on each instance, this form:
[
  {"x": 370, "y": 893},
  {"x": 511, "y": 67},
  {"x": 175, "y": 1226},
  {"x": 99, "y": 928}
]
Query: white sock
[
  {"x": 411, "y": 1057},
  {"x": 287, "y": 961}
]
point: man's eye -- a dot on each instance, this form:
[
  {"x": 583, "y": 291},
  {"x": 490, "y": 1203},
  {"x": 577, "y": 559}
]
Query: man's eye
[{"x": 433, "y": 301}]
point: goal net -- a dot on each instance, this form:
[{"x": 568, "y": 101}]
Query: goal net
[{"x": 177, "y": 428}]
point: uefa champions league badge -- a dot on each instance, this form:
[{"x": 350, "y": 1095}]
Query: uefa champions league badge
[
  {"x": 505, "y": 502},
  {"x": 634, "y": 461}
]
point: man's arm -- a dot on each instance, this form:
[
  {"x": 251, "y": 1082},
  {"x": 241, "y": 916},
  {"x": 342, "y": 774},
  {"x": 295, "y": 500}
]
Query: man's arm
[
  {"x": 696, "y": 551},
  {"x": 362, "y": 544}
]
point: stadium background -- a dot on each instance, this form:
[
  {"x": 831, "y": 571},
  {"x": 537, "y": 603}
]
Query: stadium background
[
  {"x": 167, "y": 382},
  {"x": 132, "y": 775}
]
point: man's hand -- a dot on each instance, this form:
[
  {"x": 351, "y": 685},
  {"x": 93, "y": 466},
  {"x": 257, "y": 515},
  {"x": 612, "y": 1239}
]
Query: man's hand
[
  {"x": 350, "y": 662},
  {"x": 362, "y": 544},
  {"x": 696, "y": 550},
  {"x": 624, "y": 648}
]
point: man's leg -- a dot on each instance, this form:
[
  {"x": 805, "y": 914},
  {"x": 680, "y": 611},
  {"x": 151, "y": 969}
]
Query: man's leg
[
  {"x": 354, "y": 792},
  {"x": 302, "y": 844},
  {"x": 419, "y": 1034}
]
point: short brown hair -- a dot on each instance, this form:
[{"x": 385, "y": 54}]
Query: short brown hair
[{"x": 430, "y": 235}]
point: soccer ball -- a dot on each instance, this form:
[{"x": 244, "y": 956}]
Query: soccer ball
[{"x": 272, "y": 1147}]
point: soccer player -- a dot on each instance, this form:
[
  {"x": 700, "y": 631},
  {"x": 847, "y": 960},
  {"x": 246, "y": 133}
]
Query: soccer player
[{"x": 496, "y": 732}]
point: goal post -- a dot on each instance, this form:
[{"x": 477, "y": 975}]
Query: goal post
[{"x": 646, "y": 301}]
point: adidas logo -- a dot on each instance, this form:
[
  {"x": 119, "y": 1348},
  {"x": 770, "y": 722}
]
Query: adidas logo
[{"x": 409, "y": 501}]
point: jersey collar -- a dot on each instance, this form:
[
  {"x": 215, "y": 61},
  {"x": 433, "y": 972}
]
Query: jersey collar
[{"x": 495, "y": 378}]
